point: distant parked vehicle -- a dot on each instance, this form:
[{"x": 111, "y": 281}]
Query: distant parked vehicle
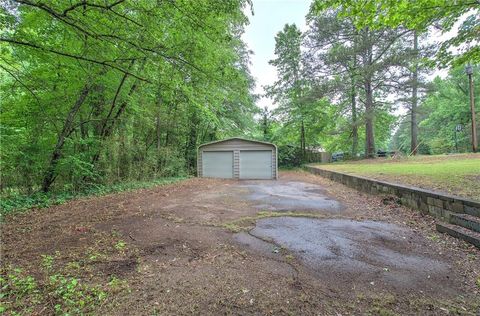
[
  {"x": 384, "y": 153},
  {"x": 381, "y": 153},
  {"x": 337, "y": 156}
]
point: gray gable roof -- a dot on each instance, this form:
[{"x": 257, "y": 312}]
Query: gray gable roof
[{"x": 238, "y": 138}]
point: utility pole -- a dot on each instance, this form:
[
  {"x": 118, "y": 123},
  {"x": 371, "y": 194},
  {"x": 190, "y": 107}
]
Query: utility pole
[{"x": 469, "y": 71}]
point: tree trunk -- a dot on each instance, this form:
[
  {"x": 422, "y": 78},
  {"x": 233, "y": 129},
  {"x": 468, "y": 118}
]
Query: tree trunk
[
  {"x": 265, "y": 124},
  {"x": 109, "y": 122},
  {"x": 369, "y": 115},
  {"x": 413, "y": 111},
  {"x": 302, "y": 141},
  {"x": 192, "y": 142},
  {"x": 98, "y": 103},
  {"x": 354, "y": 120},
  {"x": 83, "y": 127},
  {"x": 168, "y": 136},
  {"x": 158, "y": 132},
  {"x": 50, "y": 174},
  {"x": 367, "y": 78}
]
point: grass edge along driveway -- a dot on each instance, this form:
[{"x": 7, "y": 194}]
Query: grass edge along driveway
[{"x": 453, "y": 174}]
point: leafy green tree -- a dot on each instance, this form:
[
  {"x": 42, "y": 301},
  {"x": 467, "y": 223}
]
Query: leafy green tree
[
  {"x": 413, "y": 85},
  {"x": 361, "y": 64},
  {"x": 289, "y": 89},
  {"x": 101, "y": 92},
  {"x": 445, "y": 106},
  {"x": 332, "y": 57},
  {"x": 418, "y": 15}
]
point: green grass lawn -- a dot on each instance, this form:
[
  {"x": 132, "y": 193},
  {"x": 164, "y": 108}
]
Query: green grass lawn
[{"x": 454, "y": 174}]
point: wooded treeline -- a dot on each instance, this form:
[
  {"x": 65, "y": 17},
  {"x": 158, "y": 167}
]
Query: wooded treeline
[
  {"x": 444, "y": 119},
  {"x": 113, "y": 90},
  {"x": 362, "y": 72},
  {"x": 104, "y": 91}
]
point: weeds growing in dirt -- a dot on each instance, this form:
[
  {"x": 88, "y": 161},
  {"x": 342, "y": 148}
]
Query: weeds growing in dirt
[
  {"x": 120, "y": 245},
  {"x": 22, "y": 294},
  {"x": 57, "y": 291},
  {"x": 15, "y": 202}
]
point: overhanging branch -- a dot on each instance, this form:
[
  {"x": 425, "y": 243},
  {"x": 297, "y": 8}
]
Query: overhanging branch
[{"x": 76, "y": 57}]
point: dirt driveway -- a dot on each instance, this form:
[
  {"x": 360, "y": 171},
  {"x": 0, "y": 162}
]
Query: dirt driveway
[{"x": 301, "y": 245}]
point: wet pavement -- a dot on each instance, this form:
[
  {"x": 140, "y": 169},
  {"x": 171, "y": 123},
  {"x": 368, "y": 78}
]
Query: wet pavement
[
  {"x": 290, "y": 196},
  {"x": 365, "y": 252}
]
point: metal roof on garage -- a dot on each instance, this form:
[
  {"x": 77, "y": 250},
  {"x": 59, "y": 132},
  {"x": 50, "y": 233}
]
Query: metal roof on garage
[{"x": 239, "y": 138}]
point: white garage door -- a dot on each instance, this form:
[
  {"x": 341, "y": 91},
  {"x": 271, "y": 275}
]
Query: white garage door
[
  {"x": 256, "y": 164},
  {"x": 217, "y": 164}
]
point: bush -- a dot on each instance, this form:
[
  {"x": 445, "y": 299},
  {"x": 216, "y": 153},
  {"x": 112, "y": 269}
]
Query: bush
[{"x": 289, "y": 156}]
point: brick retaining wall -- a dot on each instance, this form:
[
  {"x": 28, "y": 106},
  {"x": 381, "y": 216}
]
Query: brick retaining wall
[{"x": 433, "y": 203}]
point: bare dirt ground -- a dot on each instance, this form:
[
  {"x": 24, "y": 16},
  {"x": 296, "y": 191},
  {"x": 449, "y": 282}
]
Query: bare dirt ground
[{"x": 299, "y": 245}]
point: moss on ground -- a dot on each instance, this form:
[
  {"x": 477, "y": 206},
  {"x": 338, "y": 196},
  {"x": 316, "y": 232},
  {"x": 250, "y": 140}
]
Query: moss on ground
[{"x": 248, "y": 222}]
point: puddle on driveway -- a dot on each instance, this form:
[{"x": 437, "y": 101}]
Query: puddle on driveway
[
  {"x": 353, "y": 252},
  {"x": 290, "y": 196}
]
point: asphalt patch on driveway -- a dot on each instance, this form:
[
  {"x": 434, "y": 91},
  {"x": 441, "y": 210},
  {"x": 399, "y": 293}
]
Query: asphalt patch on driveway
[
  {"x": 354, "y": 253},
  {"x": 290, "y": 196}
]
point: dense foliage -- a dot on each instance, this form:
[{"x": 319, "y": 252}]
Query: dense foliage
[
  {"x": 106, "y": 91},
  {"x": 359, "y": 75},
  {"x": 100, "y": 92},
  {"x": 333, "y": 95},
  {"x": 444, "y": 108},
  {"x": 420, "y": 15}
]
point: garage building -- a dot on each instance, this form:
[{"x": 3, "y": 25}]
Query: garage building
[{"x": 237, "y": 158}]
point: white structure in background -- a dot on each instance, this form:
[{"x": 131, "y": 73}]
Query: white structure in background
[{"x": 237, "y": 158}]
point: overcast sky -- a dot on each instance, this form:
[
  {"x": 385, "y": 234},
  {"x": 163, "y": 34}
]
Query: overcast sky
[{"x": 269, "y": 18}]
